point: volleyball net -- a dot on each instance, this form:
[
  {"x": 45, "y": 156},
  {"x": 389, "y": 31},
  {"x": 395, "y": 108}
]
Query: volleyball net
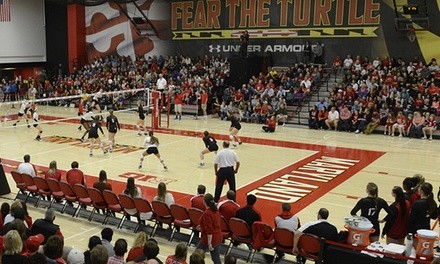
[{"x": 121, "y": 101}]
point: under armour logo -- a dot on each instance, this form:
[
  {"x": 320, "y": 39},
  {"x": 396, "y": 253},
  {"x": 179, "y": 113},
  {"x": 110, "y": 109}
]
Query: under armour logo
[{"x": 215, "y": 48}]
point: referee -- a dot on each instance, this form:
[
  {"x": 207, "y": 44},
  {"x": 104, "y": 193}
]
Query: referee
[{"x": 224, "y": 164}]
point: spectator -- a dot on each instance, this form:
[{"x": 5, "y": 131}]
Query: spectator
[
  {"x": 150, "y": 252},
  {"x": 119, "y": 251},
  {"x": 20, "y": 227},
  {"x": 286, "y": 219},
  {"x": 33, "y": 244},
  {"x": 26, "y": 167},
  {"x": 431, "y": 125},
  {"x": 211, "y": 237},
  {"x": 163, "y": 195},
  {"x": 16, "y": 209},
  {"x": 93, "y": 242},
  {"x": 46, "y": 227},
  {"x": 4, "y": 211},
  {"x": 53, "y": 250},
  {"x": 74, "y": 175},
  {"x": 370, "y": 208},
  {"x": 322, "y": 117},
  {"x": 75, "y": 256},
  {"x": 98, "y": 255},
  {"x": 196, "y": 258},
  {"x": 270, "y": 125},
  {"x": 102, "y": 183},
  {"x": 332, "y": 119},
  {"x": 320, "y": 228},
  {"x": 197, "y": 200},
  {"x": 417, "y": 125},
  {"x": 399, "y": 124},
  {"x": 12, "y": 249},
  {"x": 137, "y": 249},
  {"x": 27, "y": 218},
  {"x": 132, "y": 190},
  {"x": 230, "y": 259},
  {"x": 228, "y": 208},
  {"x": 373, "y": 124},
  {"x": 248, "y": 213},
  {"x": 345, "y": 119},
  {"x": 106, "y": 239},
  {"x": 53, "y": 172},
  {"x": 179, "y": 256},
  {"x": 313, "y": 118}
]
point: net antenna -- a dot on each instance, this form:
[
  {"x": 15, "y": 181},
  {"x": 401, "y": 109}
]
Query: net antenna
[{"x": 411, "y": 17}]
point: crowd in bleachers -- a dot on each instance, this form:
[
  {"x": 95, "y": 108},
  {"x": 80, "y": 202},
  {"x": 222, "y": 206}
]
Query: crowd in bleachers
[{"x": 403, "y": 96}]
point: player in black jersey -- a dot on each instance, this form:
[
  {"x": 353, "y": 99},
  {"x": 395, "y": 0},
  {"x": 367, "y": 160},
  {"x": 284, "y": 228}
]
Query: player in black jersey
[
  {"x": 140, "y": 123},
  {"x": 234, "y": 129},
  {"x": 211, "y": 146},
  {"x": 112, "y": 127},
  {"x": 94, "y": 136}
]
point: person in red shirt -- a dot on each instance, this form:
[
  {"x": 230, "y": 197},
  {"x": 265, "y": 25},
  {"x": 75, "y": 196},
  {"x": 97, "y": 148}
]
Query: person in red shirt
[
  {"x": 270, "y": 124},
  {"x": 102, "y": 183},
  {"x": 197, "y": 201},
  {"x": 53, "y": 172},
  {"x": 229, "y": 207},
  {"x": 204, "y": 102},
  {"x": 396, "y": 223},
  {"x": 74, "y": 175},
  {"x": 178, "y": 100},
  {"x": 211, "y": 237}
]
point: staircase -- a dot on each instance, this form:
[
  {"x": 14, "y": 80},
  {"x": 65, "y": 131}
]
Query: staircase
[{"x": 301, "y": 117}]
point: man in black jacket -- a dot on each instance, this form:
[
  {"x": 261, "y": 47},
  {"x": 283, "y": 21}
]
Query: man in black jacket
[{"x": 46, "y": 227}]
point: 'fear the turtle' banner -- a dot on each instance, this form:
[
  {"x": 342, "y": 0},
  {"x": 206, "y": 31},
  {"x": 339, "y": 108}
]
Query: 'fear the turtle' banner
[{"x": 277, "y": 28}]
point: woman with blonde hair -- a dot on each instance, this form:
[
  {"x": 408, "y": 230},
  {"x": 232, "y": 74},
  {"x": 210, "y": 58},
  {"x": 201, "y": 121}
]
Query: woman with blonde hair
[
  {"x": 137, "y": 249},
  {"x": 53, "y": 172},
  {"x": 370, "y": 208},
  {"x": 163, "y": 195},
  {"x": 13, "y": 246}
]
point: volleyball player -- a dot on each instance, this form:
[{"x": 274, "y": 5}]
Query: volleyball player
[
  {"x": 86, "y": 121},
  {"x": 141, "y": 120},
  {"x": 234, "y": 129},
  {"x": 23, "y": 112},
  {"x": 36, "y": 119},
  {"x": 95, "y": 102},
  {"x": 211, "y": 146},
  {"x": 112, "y": 127},
  {"x": 151, "y": 144},
  {"x": 94, "y": 136}
]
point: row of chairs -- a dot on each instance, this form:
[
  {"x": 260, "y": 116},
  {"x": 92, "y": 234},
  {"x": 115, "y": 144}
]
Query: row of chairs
[{"x": 259, "y": 236}]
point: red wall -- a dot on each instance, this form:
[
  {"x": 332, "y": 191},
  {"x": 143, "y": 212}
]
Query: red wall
[{"x": 76, "y": 35}]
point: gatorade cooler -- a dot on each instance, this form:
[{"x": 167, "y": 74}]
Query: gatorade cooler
[
  {"x": 359, "y": 235},
  {"x": 425, "y": 243}
]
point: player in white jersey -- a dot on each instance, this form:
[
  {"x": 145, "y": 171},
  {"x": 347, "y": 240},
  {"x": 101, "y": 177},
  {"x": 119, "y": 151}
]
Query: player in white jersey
[
  {"x": 23, "y": 112},
  {"x": 86, "y": 121},
  {"x": 35, "y": 121},
  {"x": 151, "y": 143}
]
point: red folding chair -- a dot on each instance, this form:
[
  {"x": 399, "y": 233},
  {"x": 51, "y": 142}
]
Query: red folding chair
[
  {"x": 55, "y": 188},
  {"x": 309, "y": 246},
  {"x": 194, "y": 215},
  {"x": 19, "y": 183},
  {"x": 262, "y": 237},
  {"x": 69, "y": 194},
  {"x": 225, "y": 229},
  {"x": 97, "y": 201},
  {"x": 283, "y": 241},
  {"x": 129, "y": 207},
  {"x": 144, "y": 209},
  {"x": 30, "y": 186},
  {"x": 181, "y": 220},
  {"x": 163, "y": 215},
  {"x": 113, "y": 206},
  {"x": 241, "y": 233},
  {"x": 83, "y": 198},
  {"x": 43, "y": 189}
]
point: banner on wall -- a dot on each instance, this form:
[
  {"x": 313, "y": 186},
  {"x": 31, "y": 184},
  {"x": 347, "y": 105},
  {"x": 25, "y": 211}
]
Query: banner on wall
[{"x": 278, "y": 28}]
